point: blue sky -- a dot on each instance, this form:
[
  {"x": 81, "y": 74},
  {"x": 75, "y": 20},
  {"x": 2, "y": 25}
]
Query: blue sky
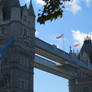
[{"x": 76, "y": 22}]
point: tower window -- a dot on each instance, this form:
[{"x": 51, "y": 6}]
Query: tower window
[
  {"x": 25, "y": 33},
  {"x": 85, "y": 89},
  {"x": 6, "y": 13},
  {"x": 21, "y": 83},
  {"x": 2, "y": 31},
  {"x": 25, "y": 18},
  {"x": 28, "y": 22},
  {"x": 1, "y": 83}
]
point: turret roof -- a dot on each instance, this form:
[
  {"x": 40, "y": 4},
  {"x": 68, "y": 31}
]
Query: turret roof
[{"x": 87, "y": 47}]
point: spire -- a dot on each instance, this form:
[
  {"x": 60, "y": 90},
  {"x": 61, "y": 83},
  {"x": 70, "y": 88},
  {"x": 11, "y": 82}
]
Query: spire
[
  {"x": 31, "y": 10},
  {"x": 87, "y": 39},
  {"x": 10, "y": 3},
  {"x": 70, "y": 49}
]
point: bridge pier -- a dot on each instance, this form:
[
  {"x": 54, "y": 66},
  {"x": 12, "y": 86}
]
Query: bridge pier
[
  {"x": 17, "y": 71},
  {"x": 17, "y": 61}
]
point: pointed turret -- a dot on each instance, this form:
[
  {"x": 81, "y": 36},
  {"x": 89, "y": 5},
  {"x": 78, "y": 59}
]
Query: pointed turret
[
  {"x": 31, "y": 10},
  {"x": 87, "y": 40}
]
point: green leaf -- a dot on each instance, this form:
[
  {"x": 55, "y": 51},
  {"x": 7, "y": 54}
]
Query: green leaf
[{"x": 51, "y": 10}]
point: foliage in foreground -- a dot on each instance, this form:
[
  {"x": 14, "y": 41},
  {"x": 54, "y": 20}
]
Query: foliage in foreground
[{"x": 52, "y": 10}]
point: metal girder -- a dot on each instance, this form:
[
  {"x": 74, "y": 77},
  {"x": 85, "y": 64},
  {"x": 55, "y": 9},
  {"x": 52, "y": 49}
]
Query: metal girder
[
  {"x": 44, "y": 49},
  {"x": 50, "y": 67}
]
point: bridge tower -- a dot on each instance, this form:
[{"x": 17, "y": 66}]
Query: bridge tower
[
  {"x": 16, "y": 67},
  {"x": 83, "y": 81}
]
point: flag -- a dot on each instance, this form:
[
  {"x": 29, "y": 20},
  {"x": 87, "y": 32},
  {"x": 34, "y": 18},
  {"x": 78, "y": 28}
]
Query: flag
[
  {"x": 60, "y": 36},
  {"x": 76, "y": 45}
]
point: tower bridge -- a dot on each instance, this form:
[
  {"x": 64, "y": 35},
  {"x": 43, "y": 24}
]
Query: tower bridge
[{"x": 19, "y": 57}]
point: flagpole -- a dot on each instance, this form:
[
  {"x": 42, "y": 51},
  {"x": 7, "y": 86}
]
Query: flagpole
[{"x": 59, "y": 37}]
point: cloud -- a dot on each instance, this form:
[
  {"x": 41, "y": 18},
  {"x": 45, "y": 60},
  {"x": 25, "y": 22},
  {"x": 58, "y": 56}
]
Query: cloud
[
  {"x": 73, "y": 6},
  {"x": 40, "y": 2},
  {"x": 76, "y": 5},
  {"x": 80, "y": 36},
  {"x": 88, "y": 2}
]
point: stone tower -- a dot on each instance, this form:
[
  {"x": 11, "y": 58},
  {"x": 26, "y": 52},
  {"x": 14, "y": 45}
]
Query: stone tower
[
  {"x": 86, "y": 51},
  {"x": 83, "y": 82},
  {"x": 16, "y": 67}
]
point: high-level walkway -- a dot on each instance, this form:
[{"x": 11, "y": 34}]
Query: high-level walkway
[{"x": 64, "y": 59}]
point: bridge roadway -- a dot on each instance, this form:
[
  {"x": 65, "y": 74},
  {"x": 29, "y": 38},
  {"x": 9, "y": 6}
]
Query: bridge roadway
[
  {"x": 67, "y": 61},
  {"x": 51, "y": 67}
]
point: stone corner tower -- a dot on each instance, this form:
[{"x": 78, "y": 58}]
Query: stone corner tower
[
  {"x": 16, "y": 66},
  {"x": 83, "y": 83},
  {"x": 86, "y": 51}
]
